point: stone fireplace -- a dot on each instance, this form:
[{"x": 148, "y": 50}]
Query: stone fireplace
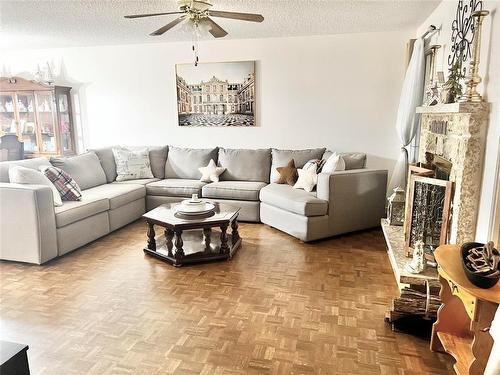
[{"x": 456, "y": 134}]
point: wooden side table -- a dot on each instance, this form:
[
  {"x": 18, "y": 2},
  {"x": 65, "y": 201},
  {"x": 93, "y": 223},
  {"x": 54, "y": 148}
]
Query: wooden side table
[{"x": 465, "y": 315}]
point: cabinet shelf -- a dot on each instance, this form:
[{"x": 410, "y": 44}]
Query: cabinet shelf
[{"x": 459, "y": 348}]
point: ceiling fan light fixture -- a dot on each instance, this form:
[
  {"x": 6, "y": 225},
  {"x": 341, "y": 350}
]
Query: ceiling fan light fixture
[{"x": 195, "y": 5}]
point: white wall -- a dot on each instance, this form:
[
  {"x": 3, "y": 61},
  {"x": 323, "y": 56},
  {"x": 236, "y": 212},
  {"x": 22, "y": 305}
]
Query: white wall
[
  {"x": 489, "y": 69},
  {"x": 338, "y": 91}
]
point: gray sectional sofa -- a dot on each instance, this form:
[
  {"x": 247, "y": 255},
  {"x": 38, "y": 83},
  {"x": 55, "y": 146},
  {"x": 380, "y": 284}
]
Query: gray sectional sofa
[{"x": 34, "y": 231}]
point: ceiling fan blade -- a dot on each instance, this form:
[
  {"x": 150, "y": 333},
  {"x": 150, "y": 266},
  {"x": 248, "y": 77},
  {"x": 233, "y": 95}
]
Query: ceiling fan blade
[
  {"x": 151, "y": 14},
  {"x": 215, "y": 30},
  {"x": 237, "y": 16},
  {"x": 167, "y": 27}
]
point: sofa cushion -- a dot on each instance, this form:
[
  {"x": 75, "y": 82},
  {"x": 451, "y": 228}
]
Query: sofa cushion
[
  {"x": 280, "y": 158},
  {"x": 73, "y": 211},
  {"x": 352, "y": 160},
  {"x": 175, "y": 187},
  {"x": 107, "y": 160},
  {"x": 245, "y": 165},
  {"x": 141, "y": 181},
  {"x": 184, "y": 162},
  {"x": 237, "y": 190},
  {"x": 28, "y": 163},
  {"x": 85, "y": 169},
  {"x": 294, "y": 200},
  {"x": 117, "y": 194},
  {"x": 157, "y": 159}
]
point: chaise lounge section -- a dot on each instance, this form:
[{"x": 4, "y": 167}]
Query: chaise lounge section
[{"x": 343, "y": 201}]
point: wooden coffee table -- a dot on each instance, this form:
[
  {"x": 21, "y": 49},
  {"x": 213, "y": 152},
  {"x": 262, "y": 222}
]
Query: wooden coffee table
[{"x": 195, "y": 238}]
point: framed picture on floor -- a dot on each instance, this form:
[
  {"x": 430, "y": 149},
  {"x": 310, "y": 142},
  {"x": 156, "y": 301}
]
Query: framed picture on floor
[{"x": 216, "y": 94}]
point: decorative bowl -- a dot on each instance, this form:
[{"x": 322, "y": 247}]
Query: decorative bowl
[
  {"x": 195, "y": 210},
  {"x": 481, "y": 281}
]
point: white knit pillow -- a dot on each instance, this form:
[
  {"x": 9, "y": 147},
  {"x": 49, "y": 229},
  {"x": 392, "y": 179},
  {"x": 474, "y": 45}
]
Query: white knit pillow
[
  {"x": 23, "y": 175},
  {"x": 132, "y": 165},
  {"x": 334, "y": 163}
]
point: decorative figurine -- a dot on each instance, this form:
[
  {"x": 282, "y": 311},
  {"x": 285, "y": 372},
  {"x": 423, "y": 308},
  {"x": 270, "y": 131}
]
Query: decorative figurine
[
  {"x": 452, "y": 88},
  {"x": 396, "y": 207},
  {"x": 417, "y": 264}
]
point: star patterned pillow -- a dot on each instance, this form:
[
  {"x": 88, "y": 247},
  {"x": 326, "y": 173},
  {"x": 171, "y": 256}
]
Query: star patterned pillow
[
  {"x": 211, "y": 172},
  {"x": 308, "y": 179}
]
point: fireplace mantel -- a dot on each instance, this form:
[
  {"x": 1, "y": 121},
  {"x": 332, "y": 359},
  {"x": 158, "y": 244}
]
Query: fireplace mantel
[
  {"x": 457, "y": 132},
  {"x": 455, "y": 108}
]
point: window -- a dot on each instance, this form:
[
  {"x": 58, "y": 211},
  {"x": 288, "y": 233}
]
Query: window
[
  {"x": 221, "y": 97},
  {"x": 208, "y": 97}
]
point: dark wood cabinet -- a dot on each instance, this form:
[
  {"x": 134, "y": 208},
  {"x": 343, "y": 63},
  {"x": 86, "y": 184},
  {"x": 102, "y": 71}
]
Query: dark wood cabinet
[{"x": 40, "y": 115}]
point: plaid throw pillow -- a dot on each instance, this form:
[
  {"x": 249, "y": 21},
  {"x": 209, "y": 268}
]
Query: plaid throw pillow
[{"x": 64, "y": 183}]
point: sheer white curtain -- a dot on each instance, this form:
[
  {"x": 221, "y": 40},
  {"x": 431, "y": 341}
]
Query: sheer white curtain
[{"x": 407, "y": 120}]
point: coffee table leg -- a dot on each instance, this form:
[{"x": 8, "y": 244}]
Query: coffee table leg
[
  {"x": 234, "y": 231},
  {"x": 169, "y": 235},
  {"x": 207, "y": 233},
  {"x": 151, "y": 237},
  {"x": 179, "y": 251},
  {"x": 224, "y": 248}
]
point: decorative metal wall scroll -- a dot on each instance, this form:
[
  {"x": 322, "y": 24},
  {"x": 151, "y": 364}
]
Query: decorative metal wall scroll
[{"x": 463, "y": 31}]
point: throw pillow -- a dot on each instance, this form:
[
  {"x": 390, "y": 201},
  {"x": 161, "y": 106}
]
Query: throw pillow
[
  {"x": 67, "y": 187},
  {"x": 307, "y": 179},
  {"x": 211, "y": 172},
  {"x": 288, "y": 174},
  {"x": 315, "y": 164},
  {"x": 132, "y": 165},
  {"x": 23, "y": 175},
  {"x": 334, "y": 163}
]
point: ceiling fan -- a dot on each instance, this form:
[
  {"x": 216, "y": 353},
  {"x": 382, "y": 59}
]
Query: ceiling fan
[{"x": 199, "y": 13}]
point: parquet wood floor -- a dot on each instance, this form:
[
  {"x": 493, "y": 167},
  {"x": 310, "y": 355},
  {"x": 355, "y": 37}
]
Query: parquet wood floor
[{"x": 279, "y": 307}]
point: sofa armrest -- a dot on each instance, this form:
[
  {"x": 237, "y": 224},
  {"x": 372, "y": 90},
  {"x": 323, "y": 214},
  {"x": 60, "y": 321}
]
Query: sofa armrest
[
  {"x": 28, "y": 230},
  {"x": 356, "y": 198}
]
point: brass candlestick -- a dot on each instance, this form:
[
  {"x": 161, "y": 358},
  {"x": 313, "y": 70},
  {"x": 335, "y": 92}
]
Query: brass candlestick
[{"x": 473, "y": 79}]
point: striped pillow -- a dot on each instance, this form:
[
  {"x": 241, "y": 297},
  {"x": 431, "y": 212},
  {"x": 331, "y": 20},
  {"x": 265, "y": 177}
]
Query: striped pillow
[
  {"x": 67, "y": 187},
  {"x": 315, "y": 164}
]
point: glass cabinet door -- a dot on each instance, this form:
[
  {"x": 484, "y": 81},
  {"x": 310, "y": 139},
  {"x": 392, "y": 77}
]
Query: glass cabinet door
[
  {"x": 26, "y": 120},
  {"x": 46, "y": 122},
  {"x": 65, "y": 123},
  {"x": 8, "y": 124}
]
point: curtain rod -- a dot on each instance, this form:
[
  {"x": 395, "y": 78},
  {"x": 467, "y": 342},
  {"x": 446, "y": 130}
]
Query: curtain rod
[{"x": 431, "y": 30}]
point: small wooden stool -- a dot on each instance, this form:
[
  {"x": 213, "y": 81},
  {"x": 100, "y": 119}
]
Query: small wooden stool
[{"x": 465, "y": 316}]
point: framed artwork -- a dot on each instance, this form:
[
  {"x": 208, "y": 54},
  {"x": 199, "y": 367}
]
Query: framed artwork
[
  {"x": 216, "y": 94},
  {"x": 428, "y": 213}
]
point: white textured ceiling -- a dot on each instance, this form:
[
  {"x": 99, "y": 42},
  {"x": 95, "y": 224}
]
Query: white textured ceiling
[{"x": 64, "y": 23}]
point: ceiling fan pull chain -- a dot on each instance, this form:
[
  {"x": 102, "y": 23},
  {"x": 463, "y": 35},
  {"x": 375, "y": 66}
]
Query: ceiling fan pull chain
[{"x": 195, "y": 43}]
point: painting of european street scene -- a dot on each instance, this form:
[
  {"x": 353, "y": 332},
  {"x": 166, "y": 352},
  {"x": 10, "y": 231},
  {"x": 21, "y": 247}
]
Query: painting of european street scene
[{"x": 216, "y": 94}]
